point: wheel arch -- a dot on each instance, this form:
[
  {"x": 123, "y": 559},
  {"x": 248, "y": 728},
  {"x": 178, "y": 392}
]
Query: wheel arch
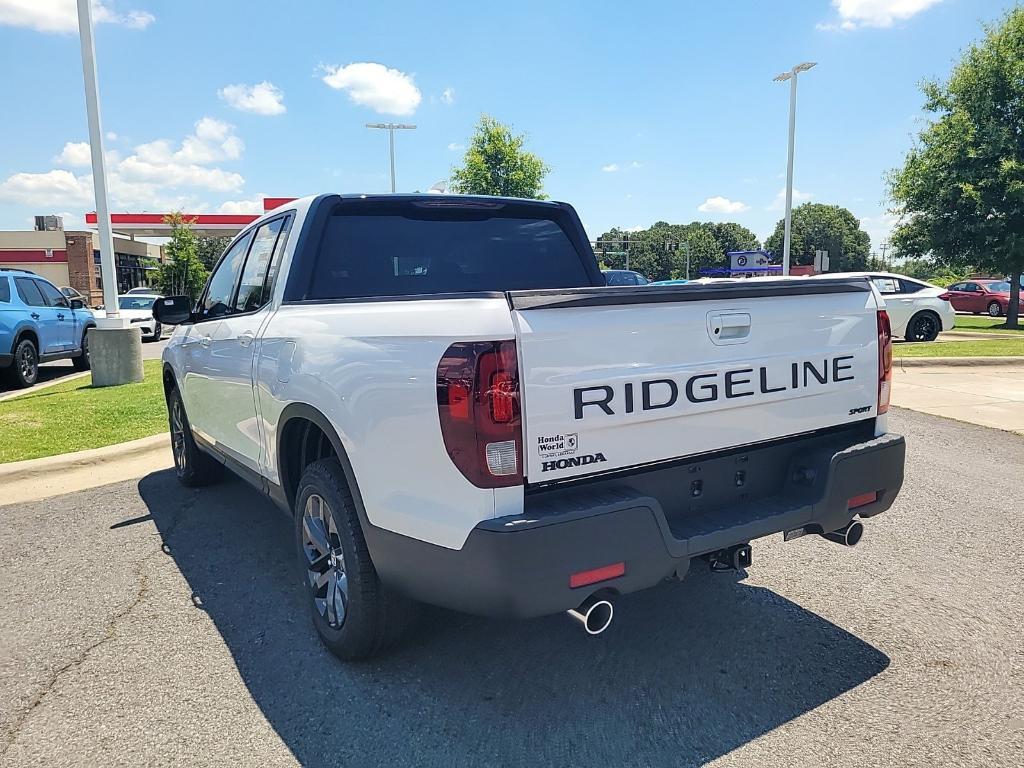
[
  {"x": 298, "y": 446},
  {"x": 26, "y": 332}
]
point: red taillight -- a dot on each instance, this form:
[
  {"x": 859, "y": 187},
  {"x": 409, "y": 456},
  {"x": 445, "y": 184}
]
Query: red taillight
[
  {"x": 862, "y": 499},
  {"x": 945, "y": 296},
  {"x": 583, "y": 578},
  {"x": 478, "y": 406},
  {"x": 884, "y": 361}
]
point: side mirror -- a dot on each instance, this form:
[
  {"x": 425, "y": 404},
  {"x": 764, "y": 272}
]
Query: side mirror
[
  {"x": 77, "y": 304},
  {"x": 173, "y": 310}
]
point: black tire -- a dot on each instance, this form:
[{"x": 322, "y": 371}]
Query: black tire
[
  {"x": 192, "y": 467},
  {"x": 354, "y": 614},
  {"x": 24, "y": 370},
  {"x": 994, "y": 310},
  {"x": 924, "y": 326},
  {"x": 158, "y": 332},
  {"x": 81, "y": 362}
]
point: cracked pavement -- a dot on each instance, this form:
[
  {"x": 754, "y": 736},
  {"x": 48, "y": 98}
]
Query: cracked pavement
[{"x": 147, "y": 624}]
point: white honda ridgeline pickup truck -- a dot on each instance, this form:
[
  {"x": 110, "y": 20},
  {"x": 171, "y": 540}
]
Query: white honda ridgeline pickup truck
[{"x": 456, "y": 410}]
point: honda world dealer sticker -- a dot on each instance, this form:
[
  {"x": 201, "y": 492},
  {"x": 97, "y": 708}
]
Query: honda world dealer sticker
[{"x": 558, "y": 445}]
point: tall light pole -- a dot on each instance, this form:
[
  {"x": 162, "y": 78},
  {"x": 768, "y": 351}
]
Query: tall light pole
[
  {"x": 391, "y": 128},
  {"x": 114, "y": 347},
  {"x": 781, "y": 78}
]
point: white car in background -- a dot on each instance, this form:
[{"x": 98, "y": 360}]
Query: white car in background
[
  {"x": 138, "y": 308},
  {"x": 917, "y": 310}
]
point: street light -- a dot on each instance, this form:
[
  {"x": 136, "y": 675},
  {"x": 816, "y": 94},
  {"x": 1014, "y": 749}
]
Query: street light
[
  {"x": 781, "y": 78},
  {"x": 391, "y": 128}
]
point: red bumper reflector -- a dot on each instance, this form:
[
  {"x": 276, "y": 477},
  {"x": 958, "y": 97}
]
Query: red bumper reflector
[
  {"x": 583, "y": 578},
  {"x": 862, "y": 499}
]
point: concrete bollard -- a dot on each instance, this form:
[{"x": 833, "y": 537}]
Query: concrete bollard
[{"x": 115, "y": 356}]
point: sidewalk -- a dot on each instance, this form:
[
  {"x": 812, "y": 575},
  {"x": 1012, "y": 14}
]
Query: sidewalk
[{"x": 992, "y": 396}]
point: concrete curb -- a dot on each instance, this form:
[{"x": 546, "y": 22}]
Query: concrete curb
[
  {"x": 15, "y": 471},
  {"x": 39, "y": 387},
  {"x": 956, "y": 362}
]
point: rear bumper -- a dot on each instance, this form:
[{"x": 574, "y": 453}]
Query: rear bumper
[{"x": 520, "y": 566}]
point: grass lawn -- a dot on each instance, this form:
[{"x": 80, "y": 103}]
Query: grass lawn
[
  {"x": 970, "y": 348},
  {"x": 984, "y": 324},
  {"x": 73, "y": 416}
]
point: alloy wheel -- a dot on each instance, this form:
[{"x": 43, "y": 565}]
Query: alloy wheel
[
  {"x": 925, "y": 329},
  {"x": 325, "y": 561},
  {"x": 994, "y": 310},
  {"x": 178, "y": 437},
  {"x": 27, "y": 362}
]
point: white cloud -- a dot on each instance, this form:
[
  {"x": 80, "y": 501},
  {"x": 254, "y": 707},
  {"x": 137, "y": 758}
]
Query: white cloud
[
  {"x": 51, "y": 189},
  {"x": 855, "y": 14},
  {"x": 454, "y": 147},
  {"x": 448, "y": 96},
  {"x": 384, "y": 90},
  {"x": 635, "y": 164},
  {"x": 879, "y": 227},
  {"x": 62, "y": 15},
  {"x": 159, "y": 175},
  {"x": 74, "y": 154},
  {"x": 719, "y": 204},
  {"x": 779, "y": 203},
  {"x": 610, "y": 168},
  {"x": 255, "y": 205},
  {"x": 262, "y": 99}
]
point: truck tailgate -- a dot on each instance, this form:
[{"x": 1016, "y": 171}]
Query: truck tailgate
[{"x": 619, "y": 377}]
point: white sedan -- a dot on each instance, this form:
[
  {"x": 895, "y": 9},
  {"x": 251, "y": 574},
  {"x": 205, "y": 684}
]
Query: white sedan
[
  {"x": 917, "y": 310},
  {"x": 138, "y": 308}
]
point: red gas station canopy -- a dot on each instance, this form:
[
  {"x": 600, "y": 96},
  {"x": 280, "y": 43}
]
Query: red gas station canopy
[{"x": 203, "y": 224}]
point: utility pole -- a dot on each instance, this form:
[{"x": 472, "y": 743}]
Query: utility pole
[
  {"x": 687, "y": 246},
  {"x": 791, "y": 76},
  {"x": 885, "y": 247},
  {"x": 391, "y": 128},
  {"x": 114, "y": 346}
]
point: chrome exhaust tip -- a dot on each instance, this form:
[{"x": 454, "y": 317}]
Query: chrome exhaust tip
[
  {"x": 594, "y": 613},
  {"x": 848, "y": 535}
]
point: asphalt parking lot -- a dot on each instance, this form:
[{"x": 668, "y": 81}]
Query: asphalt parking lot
[{"x": 145, "y": 624}]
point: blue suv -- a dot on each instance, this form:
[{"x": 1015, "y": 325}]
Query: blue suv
[{"x": 39, "y": 324}]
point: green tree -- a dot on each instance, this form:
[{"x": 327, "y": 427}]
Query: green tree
[
  {"x": 495, "y": 163},
  {"x": 832, "y": 228},
  {"x": 961, "y": 188},
  {"x": 733, "y": 237},
  {"x": 209, "y": 249},
  {"x": 182, "y": 273}
]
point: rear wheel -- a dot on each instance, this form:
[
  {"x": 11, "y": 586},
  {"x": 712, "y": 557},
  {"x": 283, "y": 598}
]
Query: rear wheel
[
  {"x": 354, "y": 614},
  {"x": 82, "y": 362},
  {"x": 24, "y": 370},
  {"x": 923, "y": 327},
  {"x": 994, "y": 310},
  {"x": 192, "y": 467},
  {"x": 158, "y": 332}
]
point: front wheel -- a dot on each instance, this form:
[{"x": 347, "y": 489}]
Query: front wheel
[
  {"x": 994, "y": 310},
  {"x": 923, "y": 327},
  {"x": 354, "y": 614},
  {"x": 192, "y": 467},
  {"x": 82, "y": 362}
]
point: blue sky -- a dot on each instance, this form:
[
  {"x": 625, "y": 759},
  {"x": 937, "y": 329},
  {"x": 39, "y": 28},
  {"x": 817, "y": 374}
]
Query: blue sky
[{"x": 645, "y": 111}]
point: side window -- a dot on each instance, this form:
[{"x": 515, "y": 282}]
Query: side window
[
  {"x": 29, "y": 292},
  {"x": 971, "y": 287},
  {"x": 53, "y": 297},
  {"x": 5, "y": 290},
  {"x": 886, "y": 285},
  {"x": 221, "y": 288},
  {"x": 956, "y": 287},
  {"x": 641, "y": 280},
  {"x": 909, "y": 286},
  {"x": 253, "y": 290}
]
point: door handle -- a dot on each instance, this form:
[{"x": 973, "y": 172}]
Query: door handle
[
  {"x": 246, "y": 338},
  {"x": 205, "y": 340},
  {"x": 60, "y": 316},
  {"x": 34, "y": 315}
]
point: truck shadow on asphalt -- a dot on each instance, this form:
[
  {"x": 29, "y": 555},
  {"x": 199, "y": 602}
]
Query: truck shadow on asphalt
[{"x": 687, "y": 673}]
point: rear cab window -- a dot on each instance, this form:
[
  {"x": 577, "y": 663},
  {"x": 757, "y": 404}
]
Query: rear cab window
[{"x": 411, "y": 250}]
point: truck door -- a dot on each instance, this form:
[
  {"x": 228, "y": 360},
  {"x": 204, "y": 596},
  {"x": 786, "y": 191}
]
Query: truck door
[{"x": 230, "y": 401}]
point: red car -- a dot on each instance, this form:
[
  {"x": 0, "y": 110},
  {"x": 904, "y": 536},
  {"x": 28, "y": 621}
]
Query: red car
[{"x": 977, "y": 296}]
